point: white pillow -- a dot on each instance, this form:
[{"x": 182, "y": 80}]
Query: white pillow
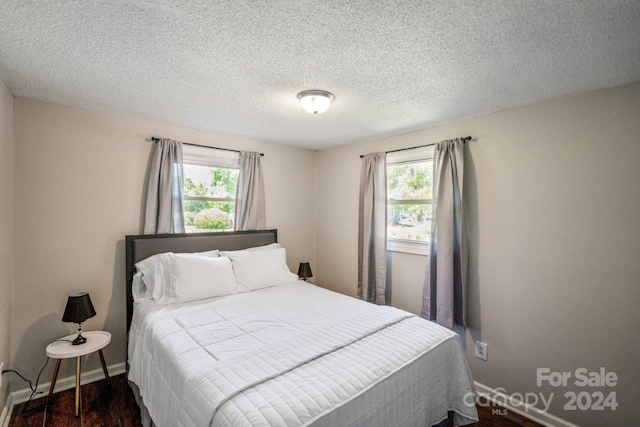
[
  {"x": 255, "y": 248},
  {"x": 196, "y": 277},
  {"x": 261, "y": 269},
  {"x": 155, "y": 273},
  {"x": 138, "y": 289}
]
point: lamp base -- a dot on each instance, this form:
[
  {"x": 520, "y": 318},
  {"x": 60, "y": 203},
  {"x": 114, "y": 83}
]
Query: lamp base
[{"x": 79, "y": 340}]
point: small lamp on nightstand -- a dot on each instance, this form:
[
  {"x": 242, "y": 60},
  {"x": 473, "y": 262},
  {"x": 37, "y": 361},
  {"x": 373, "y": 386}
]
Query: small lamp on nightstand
[
  {"x": 304, "y": 271},
  {"x": 79, "y": 308}
]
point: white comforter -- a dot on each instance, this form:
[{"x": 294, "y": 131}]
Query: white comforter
[{"x": 295, "y": 355}]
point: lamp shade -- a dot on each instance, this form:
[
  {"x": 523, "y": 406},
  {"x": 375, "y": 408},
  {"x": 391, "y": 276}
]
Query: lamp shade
[
  {"x": 304, "y": 270},
  {"x": 79, "y": 308}
]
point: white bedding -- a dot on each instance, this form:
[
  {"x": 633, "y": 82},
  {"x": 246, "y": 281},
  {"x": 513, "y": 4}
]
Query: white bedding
[{"x": 295, "y": 355}]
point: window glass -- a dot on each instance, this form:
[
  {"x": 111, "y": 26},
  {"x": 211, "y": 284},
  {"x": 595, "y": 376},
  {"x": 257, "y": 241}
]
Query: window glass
[
  {"x": 409, "y": 192},
  {"x": 409, "y": 222},
  {"x": 410, "y": 180},
  {"x": 209, "y": 197}
]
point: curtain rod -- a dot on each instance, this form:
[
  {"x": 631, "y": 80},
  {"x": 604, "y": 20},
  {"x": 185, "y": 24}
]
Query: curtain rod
[
  {"x": 464, "y": 139},
  {"x": 156, "y": 139}
]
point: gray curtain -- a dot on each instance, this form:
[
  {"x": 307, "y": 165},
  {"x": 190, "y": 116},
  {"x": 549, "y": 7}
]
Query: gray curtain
[
  {"x": 163, "y": 211},
  {"x": 250, "y": 211},
  {"x": 372, "y": 229},
  {"x": 444, "y": 295}
]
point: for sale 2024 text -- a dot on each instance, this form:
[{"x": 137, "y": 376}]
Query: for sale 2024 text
[{"x": 582, "y": 377}]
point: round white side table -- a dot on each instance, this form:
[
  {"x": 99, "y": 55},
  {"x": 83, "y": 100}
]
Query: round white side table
[{"x": 63, "y": 349}]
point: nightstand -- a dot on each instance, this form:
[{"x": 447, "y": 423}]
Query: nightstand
[{"x": 63, "y": 349}]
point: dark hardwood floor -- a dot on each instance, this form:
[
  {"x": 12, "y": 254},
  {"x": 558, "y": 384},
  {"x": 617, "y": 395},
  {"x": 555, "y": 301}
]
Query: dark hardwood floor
[
  {"x": 114, "y": 405},
  {"x": 102, "y": 405}
]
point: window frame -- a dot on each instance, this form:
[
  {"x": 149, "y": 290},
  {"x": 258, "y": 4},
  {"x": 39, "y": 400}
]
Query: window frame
[
  {"x": 212, "y": 158},
  {"x": 416, "y": 155}
]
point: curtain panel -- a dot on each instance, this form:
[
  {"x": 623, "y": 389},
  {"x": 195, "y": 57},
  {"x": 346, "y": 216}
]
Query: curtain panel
[
  {"x": 372, "y": 229},
  {"x": 163, "y": 208},
  {"x": 445, "y": 287},
  {"x": 250, "y": 206}
]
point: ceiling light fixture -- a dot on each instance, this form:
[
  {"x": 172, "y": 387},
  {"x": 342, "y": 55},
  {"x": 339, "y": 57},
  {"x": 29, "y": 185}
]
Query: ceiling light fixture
[{"x": 315, "y": 101}]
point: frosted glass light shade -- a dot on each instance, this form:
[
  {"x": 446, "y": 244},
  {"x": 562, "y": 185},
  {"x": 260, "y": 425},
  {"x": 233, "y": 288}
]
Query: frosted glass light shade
[{"x": 315, "y": 101}]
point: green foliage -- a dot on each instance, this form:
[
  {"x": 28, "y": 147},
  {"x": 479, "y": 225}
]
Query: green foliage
[
  {"x": 189, "y": 217},
  {"x": 410, "y": 180},
  {"x": 227, "y": 207},
  {"x": 212, "y": 219},
  {"x": 191, "y": 189},
  {"x": 224, "y": 182},
  {"x": 222, "y": 185},
  {"x": 194, "y": 206}
]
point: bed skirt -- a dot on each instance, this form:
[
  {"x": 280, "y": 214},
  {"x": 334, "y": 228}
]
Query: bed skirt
[
  {"x": 146, "y": 421},
  {"x": 145, "y": 418}
]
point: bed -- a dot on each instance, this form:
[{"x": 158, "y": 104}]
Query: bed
[{"x": 288, "y": 355}]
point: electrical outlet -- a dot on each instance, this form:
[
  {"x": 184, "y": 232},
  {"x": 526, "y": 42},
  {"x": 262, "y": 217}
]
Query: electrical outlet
[
  {"x": 481, "y": 350},
  {"x": 1, "y": 369}
]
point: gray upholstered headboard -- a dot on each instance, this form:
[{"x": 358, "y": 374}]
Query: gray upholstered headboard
[{"x": 143, "y": 246}]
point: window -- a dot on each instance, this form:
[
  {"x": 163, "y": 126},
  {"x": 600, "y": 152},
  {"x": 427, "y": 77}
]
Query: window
[
  {"x": 210, "y": 181},
  {"x": 409, "y": 208}
]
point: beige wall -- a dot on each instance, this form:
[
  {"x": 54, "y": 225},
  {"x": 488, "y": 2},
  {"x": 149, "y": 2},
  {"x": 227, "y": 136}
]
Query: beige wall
[
  {"x": 553, "y": 197},
  {"x": 6, "y": 229},
  {"x": 78, "y": 189}
]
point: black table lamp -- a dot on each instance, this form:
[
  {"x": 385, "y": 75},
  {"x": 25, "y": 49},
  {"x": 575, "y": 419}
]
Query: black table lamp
[
  {"x": 304, "y": 271},
  {"x": 79, "y": 309}
]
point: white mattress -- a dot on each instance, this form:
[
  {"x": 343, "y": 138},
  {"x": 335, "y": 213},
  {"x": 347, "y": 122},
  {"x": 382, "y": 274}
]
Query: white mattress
[{"x": 295, "y": 355}]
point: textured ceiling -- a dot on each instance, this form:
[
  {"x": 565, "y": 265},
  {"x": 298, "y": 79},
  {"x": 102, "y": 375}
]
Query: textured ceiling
[{"x": 235, "y": 66}]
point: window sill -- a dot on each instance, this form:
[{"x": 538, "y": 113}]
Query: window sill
[{"x": 408, "y": 247}]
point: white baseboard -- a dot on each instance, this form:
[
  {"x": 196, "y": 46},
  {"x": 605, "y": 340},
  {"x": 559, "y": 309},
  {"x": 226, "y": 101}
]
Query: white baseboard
[
  {"x": 521, "y": 408},
  {"x": 21, "y": 396}
]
